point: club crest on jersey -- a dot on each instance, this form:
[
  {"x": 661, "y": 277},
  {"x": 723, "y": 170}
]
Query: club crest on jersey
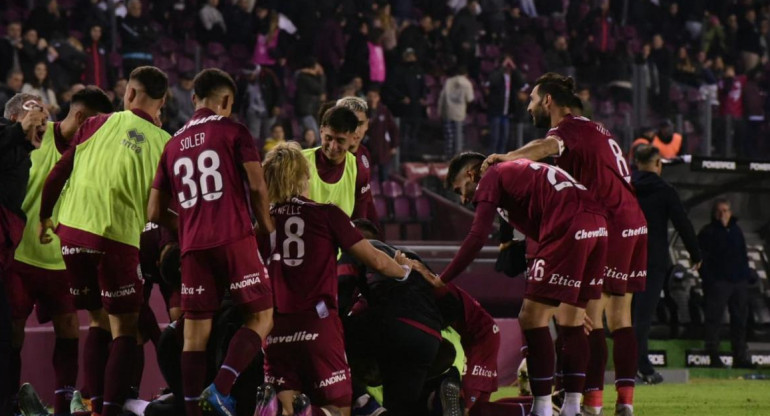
[{"x": 134, "y": 140}]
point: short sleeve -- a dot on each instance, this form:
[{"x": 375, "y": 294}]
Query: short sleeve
[
  {"x": 161, "y": 181},
  {"x": 343, "y": 231},
  {"x": 488, "y": 189},
  {"x": 245, "y": 148},
  {"x": 565, "y": 140}
]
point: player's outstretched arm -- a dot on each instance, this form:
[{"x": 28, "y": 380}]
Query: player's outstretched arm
[
  {"x": 158, "y": 212},
  {"x": 379, "y": 261},
  {"x": 259, "y": 199},
  {"x": 483, "y": 221},
  {"x": 537, "y": 149}
]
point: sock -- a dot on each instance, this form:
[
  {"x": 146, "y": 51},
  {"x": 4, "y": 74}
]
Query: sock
[
  {"x": 243, "y": 348},
  {"x": 138, "y": 367},
  {"x": 118, "y": 375},
  {"x": 193, "y": 377},
  {"x": 574, "y": 362},
  {"x": 65, "y": 365},
  {"x": 96, "y": 351},
  {"x": 571, "y": 406},
  {"x": 558, "y": 380},
  {"x": 625, "y": 358},
  {"x": 540, "y": 364},
  {"x": 500, "y": 409},
  {"x": 594, "y": 384}
]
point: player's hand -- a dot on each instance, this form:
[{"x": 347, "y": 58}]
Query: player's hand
[
  {"x": 506, "y": 245},
  {"x": 492, "y": 159},
  {"x": 402, "y": 260},
  {"x": 429, "y": 276},
  {"x": 45, "y": 226},
  {"x": 588, "y": 325},
  {"x": 696, "y": 266}
]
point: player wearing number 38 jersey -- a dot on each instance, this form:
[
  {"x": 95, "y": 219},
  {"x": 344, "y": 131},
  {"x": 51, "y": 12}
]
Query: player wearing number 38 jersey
[{"x": 204, "y": 169}]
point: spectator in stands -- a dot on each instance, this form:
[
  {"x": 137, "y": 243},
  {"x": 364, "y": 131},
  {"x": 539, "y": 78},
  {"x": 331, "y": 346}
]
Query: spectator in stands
[
  {"x": 464, "y": 35},
  {"x": 418, "y": 38},
  {"x": 660, "y": 203},
  {"x": 212, "y": 26},
  {"x": 260, "y": 99},
  {"x": 602, "y": 28},
  {"x": 309, "y": 139},
  {"x": 389, "y": 27},
  {"x": 13, "y": 83},
  {"x": 240, "y": 24},
  {"x": 34, "y": 49},
  {"x": 685, "y": 71},
  {"x": 557, "y": 59},
  {"x": 271, "y": 42},
  {"x": 749, "y": 40},
  {"x": 118, "y": 91},
  {"x": 10, "y": 46},
  {"x": 725, "y": 275},
  {"x": 277, "y": 136},
  {"x": 663, "y": 67},
  {"x": 731, "y": 38},
  {"x": 90, "y": 13},
  {"x": 405, "y": 92},
  {"x": 96, "y": 63},
  {"x": 672, "y": 24},
  {"x": 40, "y": 85},
  {"x": 382, "y": 135},
  {"x": 311, "y": 90},
  {"x": 376, "y": 54},
  {"x": 181, "y": 97},
  {"x": 49, "y": 21},
  {"x": 731, "y": 91},
  {"x": 330, "y": 50},
  {"x": 453, "y": 102},
  {"x": 584, "y": 94},
  {"x": 714, "y": 41},
  {"x": 357, "y": 53},
  {"x": 502, "y": 88},
  {"x": 136, "y": 38}
]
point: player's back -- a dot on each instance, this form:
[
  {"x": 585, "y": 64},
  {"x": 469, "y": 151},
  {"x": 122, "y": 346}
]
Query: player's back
[
  {"x": 304, "y": 265},
  {"x": 539, "y": 199},
  {"x": 596, "y": 160},
  {"x": 203, "y": 166}
]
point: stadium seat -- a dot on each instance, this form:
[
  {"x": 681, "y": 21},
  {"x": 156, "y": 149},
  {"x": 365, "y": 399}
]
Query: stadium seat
[
  {"x": 190, "y": 48},
  {"x": 401, "y": 209},
  {"x": 381, "y": 206},
  {"x": 412, "y": 189},
  {"x": 215, "y": 49},
  {"x": 168, "y": 45},
  {"x": 392, "y": 189},
  {"x": 422, "y": 209},
  {"x": 185, "y": 64}
]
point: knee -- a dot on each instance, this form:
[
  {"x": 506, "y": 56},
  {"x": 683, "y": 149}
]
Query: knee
[
  {"x": 66, "y": 325},
  {"x": 260, "y": 322},
  {"x": 99, "y": 319}
]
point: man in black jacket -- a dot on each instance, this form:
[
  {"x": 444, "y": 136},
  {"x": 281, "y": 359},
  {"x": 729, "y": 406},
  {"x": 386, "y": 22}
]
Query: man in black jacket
[
  {"x": 21, "y": 129},
  {"x": 660, "y": 203},
  {"x": 725, "y": 276},
  {"x": 136, "y": 36},
  {"x": 502, "y": 91}
]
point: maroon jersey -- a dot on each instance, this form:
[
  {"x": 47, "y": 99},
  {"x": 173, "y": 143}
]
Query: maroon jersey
[
  {"x": 593, "y": 157},
  {"x": 304, "y": 265},
  {"x": 201, "y": 167},
  {"x": 535, "y": 198},
  {"x": 539, "y": 200}
]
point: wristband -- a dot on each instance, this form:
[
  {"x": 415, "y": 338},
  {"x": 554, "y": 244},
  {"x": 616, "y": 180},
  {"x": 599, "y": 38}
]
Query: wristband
[{"x": 407, "y": 270}]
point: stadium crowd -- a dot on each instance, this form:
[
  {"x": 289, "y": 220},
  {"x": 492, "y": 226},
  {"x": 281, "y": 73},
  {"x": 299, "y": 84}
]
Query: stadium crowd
[
  {"x": 451, "y": 71},
  {"x": 348, "y": 76}
]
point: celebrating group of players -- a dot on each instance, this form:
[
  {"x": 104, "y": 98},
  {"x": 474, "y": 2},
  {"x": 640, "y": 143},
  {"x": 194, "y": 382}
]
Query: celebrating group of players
[{"x": 268, "y": 236}]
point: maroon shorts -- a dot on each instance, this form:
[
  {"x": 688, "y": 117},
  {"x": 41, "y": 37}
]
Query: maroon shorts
[
  {"x": 26, "y": 284},
  {"x": 568, "y": 268},
  {"x": 206, "y": 274},
  {"x": 111, "y": 280},
  {"x": 481, "y": 364},
  {"x": 626, "y": 267},
  {"x": 307, "y": 353}
]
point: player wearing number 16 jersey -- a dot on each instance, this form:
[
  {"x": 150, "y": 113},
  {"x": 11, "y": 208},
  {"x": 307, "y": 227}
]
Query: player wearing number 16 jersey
[
  {"x": 205, "y": 167},
  {"x": 569, "y": 232},
  {"x": 587, "y": 151}
]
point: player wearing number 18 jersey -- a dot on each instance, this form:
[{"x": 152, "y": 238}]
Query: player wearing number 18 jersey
[
  {"x": 205, "y": 167},
  {"x": 569, "y": 232},
  {"x": 587, "y": 151},
  {"x": 305, "y": 351}
]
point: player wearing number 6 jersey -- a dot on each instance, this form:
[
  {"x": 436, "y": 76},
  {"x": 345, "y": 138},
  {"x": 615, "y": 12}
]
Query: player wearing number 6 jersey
[
  {"x": 204, "y": 168},
  {"x": 306, "y": 351},
  {"x": 587, "y": 151},
  {"x": 569, "y": 232}
]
